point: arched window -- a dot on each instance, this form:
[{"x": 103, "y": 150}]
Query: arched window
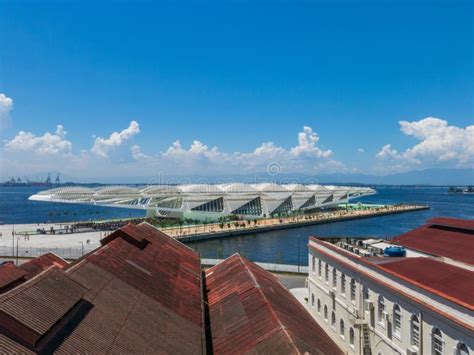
[
  {"x": 312, "y": 299},
  {"x": 397, "y": 320},
  {"x": 365, "y": 295},
  {"x": 333, "y": 319},
  {"x": 342, "y": 328},
  {"x": 326, "y": 312},
  {"x": 415, "y": 331},
  {"x": 334, "y": 277},
  {"x": 326, "y": 273},
  {"x": 320, "y": 267},
  {"x": 351, "y": 336},
  {"x": 319, "y": 306},
  {"x": 353, "y": 289},
  {"x": 437, "y": 346},
  {"x": 343, "y": 283},
  {"x": 462, "y": 349},
  {"x": 381, "y": 307},
  {"x": 313, "y": 264}
]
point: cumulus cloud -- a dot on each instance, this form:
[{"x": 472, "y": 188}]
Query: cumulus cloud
[
  {"x": 6, "y": 105},
  {"x": 197, "y": 158},
  {"x": 137, "y": 152},
  {"x": 47, "y": 144},
  {"x": 307, "y": 141},
  {"x": 103, "y": 146},
  {"x": 440, "y": 145},
  {"x": 361, "y": 150}
]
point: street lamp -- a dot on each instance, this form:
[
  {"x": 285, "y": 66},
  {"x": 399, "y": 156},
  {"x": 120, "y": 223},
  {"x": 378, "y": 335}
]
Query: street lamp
[{"x": 298, "y": 237}]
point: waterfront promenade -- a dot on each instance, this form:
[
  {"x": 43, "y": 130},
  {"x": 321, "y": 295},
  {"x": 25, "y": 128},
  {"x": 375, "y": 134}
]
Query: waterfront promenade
[
  {"x": 217, "y": 230},
  {"x": 23, "y": 240}
]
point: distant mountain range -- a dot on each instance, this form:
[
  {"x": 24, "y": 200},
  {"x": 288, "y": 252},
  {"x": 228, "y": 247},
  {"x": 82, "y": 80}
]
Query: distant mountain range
[
  {"x": 438, "y": 176},
  {"x": 434, "y": 177}
]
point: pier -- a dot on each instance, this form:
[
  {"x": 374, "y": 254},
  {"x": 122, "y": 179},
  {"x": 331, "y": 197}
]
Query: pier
[{"x": 23, "y": 240}]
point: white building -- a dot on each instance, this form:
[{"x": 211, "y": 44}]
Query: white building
[
  {"x": 204, "y": 201},
  {"x": 421, "y": 303}
]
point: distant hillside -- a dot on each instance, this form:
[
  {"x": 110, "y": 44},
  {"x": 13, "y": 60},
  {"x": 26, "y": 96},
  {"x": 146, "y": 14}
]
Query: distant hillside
[
  {"x": 416, "y": 177},
  {"x": 419, "y": 177}
]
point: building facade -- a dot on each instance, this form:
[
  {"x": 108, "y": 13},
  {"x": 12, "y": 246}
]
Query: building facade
[
  {"x": 205, "y": 201},
  {"x": 374, "y": 304}
]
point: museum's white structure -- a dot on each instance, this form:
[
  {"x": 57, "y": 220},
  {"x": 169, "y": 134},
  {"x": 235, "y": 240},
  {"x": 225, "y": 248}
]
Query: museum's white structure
[{"x": 209, "y": 201}]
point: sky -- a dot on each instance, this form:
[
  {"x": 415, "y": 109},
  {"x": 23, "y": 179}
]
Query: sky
[{"x": 110, "y": 89}]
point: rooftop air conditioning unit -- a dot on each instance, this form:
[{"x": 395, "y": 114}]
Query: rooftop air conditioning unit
[
  {"x": 356, "y": 250},
  {"x": 360, "y": 243},
  {"x": 351, "y": 248}
]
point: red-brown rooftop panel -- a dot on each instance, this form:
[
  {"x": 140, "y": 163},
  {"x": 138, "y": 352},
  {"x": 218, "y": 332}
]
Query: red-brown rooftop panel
[
  {"x": 445, "y": 280},
  {"x": 146, "y": 292},
  {"x": 252, "y": 312},
  {"x": 35, "y": 266},
  {"x": 447, "y": 237},
  {"x": 10, "y": 276},
  {"x": 138, "y": 293}
]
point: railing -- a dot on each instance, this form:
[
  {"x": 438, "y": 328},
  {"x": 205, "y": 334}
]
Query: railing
[
  {"x": 267, "y": 266},
  {"x": 31, "y": 252}
]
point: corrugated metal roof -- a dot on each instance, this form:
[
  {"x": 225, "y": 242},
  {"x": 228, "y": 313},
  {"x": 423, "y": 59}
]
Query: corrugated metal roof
[
  {"x": 35, "y": 266},
  {"x": 33, "y": 308},
  {"x": 9, "y": 346},
  {"x": 251, "y": 311},
  {"x": 145, "y": 299},
  {"x": 10, "y": 275},
  {"x": 447, "y": 237},
  {"x": 448, "y": 281}
]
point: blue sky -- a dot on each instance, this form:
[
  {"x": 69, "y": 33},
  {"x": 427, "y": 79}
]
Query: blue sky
[{"x": 234, "y": 75}]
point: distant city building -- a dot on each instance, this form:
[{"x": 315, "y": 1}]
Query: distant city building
[
  {"x": 411, "y": 295},
  {"x": 203, "y": 201},
  {"x": 143, "y": 292}
]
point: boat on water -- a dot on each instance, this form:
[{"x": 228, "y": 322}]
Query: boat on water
[{"x": 458, "y": 190}]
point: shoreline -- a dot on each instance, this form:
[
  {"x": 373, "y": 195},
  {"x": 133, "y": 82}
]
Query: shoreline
[
  {"x": 290, "y": 225},
  {"x": 27, "y": 242}
]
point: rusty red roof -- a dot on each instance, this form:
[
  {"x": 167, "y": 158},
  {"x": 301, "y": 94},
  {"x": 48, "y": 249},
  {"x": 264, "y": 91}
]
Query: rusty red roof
[
  {"x": 140, "y": 292},
  {"x": 146, "y": 290},
  {"x": 35, "y": 266},
  {"x": 252, "y": 312},
  {"x": 449, "y": 281},
  {"x": 10, "y": 276},
  {"x": 446, "y": 237}
]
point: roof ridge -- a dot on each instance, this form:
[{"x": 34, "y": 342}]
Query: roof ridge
[
  {"x": 254, "y": 279},
  {"x": 28, "y": 283}
]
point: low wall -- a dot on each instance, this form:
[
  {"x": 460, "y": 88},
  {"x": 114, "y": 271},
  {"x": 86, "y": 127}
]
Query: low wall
[{"x": 261, "y": 229}]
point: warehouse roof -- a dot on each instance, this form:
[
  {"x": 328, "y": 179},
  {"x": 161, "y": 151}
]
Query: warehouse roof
[
  {"x": 446, "y": 237},
  {"x": 138, "y": 293},
  {"x": 142, "y": 292},
  {"x": 252, "y": 312}
]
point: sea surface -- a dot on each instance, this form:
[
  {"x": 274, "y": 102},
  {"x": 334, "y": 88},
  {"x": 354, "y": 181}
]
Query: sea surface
[{"x": 285, "y": 246}]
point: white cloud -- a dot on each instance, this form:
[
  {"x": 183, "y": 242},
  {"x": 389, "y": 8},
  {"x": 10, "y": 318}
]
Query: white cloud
[
  {"x": 47, "y": 144},
  {"x": 440, "y": 145},
  {"x": 54, "y": 152},
  {"x": 307, "y": 141},
  {"x": 387, "y": 152},
  {"x": 137, "y": 152},
  {"x": 6, "y": 105},
  {"x": 361, "y": 150},
  {"x": 103, "y": 146}
]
